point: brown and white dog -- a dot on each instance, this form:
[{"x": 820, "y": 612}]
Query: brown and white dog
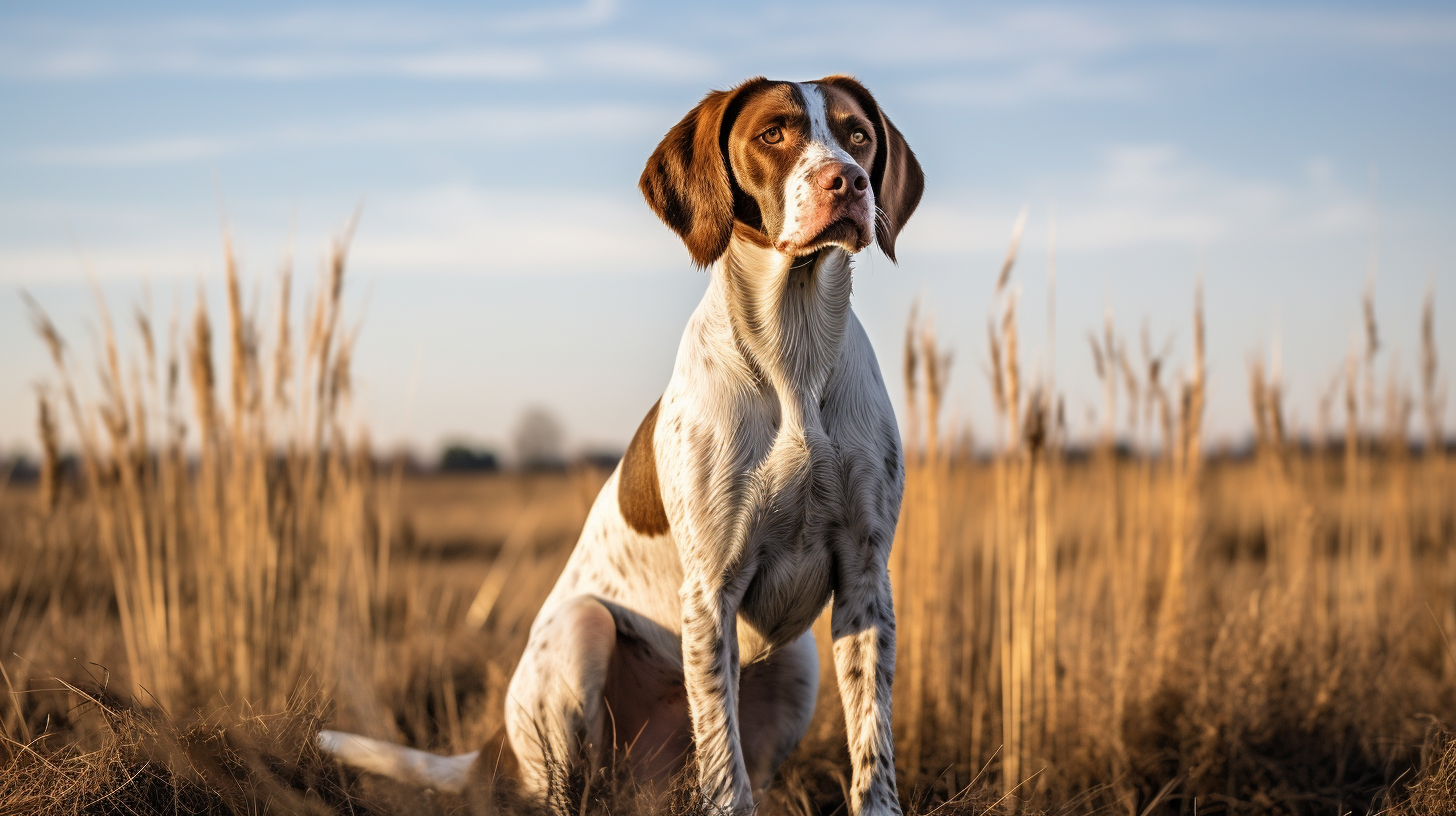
[{"x": 765, "y": 482}]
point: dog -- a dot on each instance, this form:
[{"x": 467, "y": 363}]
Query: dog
[{"x": 763, "y": 485}]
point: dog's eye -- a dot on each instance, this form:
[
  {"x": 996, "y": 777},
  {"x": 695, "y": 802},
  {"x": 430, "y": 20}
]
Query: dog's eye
[
  {"x": 858, "y": 137},
  {"x": 772, "y": 136}
]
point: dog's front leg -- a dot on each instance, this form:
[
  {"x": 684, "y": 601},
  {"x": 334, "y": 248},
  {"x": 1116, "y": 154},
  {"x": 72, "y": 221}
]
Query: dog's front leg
[
  {"x": 863, "y": 625},
  {"x": 710, "y": 674}
]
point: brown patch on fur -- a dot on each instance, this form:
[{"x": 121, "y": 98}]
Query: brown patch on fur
[
  {"x": 687, "y": 181},
  {"x": 638, "y": 495},
  {"x": 895, "y": 175},
  {"x": 760, "y": 170}
]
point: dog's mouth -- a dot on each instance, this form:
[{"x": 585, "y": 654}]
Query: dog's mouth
[{"x": 845, "y": 232}]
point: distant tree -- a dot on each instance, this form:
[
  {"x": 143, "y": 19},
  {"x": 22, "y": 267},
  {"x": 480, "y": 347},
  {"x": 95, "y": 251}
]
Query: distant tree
[
  {"x": 460, "y": 457},
  {"x": 539, "y": 439}
]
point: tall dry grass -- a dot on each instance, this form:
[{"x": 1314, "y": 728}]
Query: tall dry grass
[
  {"x": 241, "y": 522},
  {"x": 1126, "y": 625},
  {"x": 1125, "y": 628},
  {"x": 222, "y": 567}
]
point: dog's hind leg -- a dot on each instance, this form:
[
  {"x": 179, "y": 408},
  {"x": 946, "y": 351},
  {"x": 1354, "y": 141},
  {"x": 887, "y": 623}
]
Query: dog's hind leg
[{"x": 555, "y": 711}]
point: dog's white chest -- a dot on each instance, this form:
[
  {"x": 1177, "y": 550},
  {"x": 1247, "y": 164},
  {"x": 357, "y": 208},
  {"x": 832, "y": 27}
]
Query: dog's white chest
[
  {"x": 791, "y": 543},
  {"x": 773, "y": 443}
]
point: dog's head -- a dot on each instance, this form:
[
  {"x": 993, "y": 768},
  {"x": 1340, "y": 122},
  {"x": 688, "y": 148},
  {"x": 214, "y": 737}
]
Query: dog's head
[{"x": 802, "y": 165}]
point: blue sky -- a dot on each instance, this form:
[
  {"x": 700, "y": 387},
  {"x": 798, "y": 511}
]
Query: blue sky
[{"x": 504, "y": 257}]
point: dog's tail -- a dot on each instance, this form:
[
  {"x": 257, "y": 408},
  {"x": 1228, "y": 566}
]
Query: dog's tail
[{"x": 403, "y": 764}]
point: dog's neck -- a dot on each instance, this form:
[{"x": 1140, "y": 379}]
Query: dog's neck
[{"x": 787, "y": 315}]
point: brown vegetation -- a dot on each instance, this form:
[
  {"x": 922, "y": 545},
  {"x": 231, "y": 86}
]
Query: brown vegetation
[{"x": 1135, "y": 627}]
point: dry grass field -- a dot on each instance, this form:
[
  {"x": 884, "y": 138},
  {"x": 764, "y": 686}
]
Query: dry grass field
[{"x": 1129, "y": 627}]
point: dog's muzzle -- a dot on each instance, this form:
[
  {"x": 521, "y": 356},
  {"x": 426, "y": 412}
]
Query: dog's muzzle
[{"x": 840, "y": 211}]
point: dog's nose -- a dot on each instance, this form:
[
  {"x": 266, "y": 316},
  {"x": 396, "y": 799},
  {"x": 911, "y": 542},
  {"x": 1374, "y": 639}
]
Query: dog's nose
[{"x": 843, "y": 179}]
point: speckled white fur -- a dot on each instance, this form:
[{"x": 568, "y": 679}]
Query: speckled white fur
[{"x": 779, "y": 466}]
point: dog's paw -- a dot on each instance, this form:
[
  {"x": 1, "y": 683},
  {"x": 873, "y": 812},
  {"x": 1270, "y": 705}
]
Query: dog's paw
[
  {"x": 879, "y": 803},
  {"x": 728, "y": 799}
]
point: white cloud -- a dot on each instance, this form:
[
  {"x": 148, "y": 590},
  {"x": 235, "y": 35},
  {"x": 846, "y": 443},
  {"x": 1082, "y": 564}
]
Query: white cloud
[
  {"x": 464, "y": 64},
  {"x": 984, "y": 56},
  {"x": 587, "y": 14},
  {"x": 1152, "y": 195},
  {"x": 336, "y": 44},
  {"x": 644, "y": 59},
  {"x": 1022, "y": 32},
  {"x": 483, "y": 125},
  {"x": 1035, "y": 82},
  {"x": 967, "y": 35},
  {"x": 163, "y": 150},
  {"x": 454, "y": 229},
  {"x": 434, "y": 60},
  {"x": 460, "y": 228},
  {"x": 1002, "y": 55},
  {"x": 161, "y": 259}
]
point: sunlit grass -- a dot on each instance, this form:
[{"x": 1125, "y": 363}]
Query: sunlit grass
[{"x": 1123, "y": 626}]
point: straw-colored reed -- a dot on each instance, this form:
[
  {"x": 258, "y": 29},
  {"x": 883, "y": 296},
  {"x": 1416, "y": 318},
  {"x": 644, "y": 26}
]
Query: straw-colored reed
[{"x": 243, "y": 541}]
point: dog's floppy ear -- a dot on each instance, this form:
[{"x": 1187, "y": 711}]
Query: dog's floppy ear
[
  {"x": 896, "y": 176},
  {"x": 687, "y": 181}
]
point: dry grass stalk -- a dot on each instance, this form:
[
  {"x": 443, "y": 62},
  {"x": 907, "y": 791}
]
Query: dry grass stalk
[
  {"x": 920, "y": 690},
  {"x": 1187, "y": 491},
  {"x": 232, "y": 561},
  {"x": 1433, "y": 390},
  {"x": 1002, "y": 610},
  {"x": 936, "y": 365},
  {"x": 1011, "y": 250},
  {"x": 517, "y": 542},
  {"x": 50, "y": 458},
  {"x": 912, "y": 380}
]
